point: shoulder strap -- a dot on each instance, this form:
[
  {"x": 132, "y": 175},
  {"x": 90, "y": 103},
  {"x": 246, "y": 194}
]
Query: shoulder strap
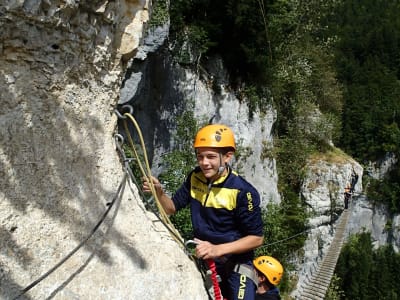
[{"x": 246, "y": 270}]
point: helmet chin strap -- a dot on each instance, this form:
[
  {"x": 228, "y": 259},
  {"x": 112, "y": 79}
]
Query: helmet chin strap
[{"x": 221, "y": 167}]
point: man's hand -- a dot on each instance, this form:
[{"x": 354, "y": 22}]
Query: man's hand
[
  {"x": 164, "y": 199},
  {"x": 206, "y": 250},
  {"x": 146, "y": 185}
]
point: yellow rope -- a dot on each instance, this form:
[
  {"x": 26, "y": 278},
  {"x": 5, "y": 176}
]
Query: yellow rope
[{"x": 146, "y": 172}]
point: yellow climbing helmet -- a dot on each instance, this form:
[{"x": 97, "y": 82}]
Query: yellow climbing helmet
[
  {"x": 215, "y": 135},
  {"x": 270, "y": 267}
]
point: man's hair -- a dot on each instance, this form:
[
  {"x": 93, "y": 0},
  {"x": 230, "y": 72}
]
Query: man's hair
[{"x": 225, "y": 150}]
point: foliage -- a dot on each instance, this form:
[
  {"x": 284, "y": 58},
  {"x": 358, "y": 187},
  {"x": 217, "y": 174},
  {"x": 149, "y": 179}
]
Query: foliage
[
  {"x": 177, "y": 164},
  {"x": 291, "y": 155},
  {"x": 236, "y": 25},
  {"x": 367, "y": 60},
  {"x": 190, "y": 30},
  {"x": 306, "y": 94},
  {"x": 256, "y": 99},
  {"x": 354, "y": 266},
  {"x": 387, "y": 190},
  {"x": 368, "y": 55},
  {"x": 265, "y": 44},
  {"x": 283, "y": 235},
  {"x": 159, "y": 14},
  {"x": 366, "y": 273},
  {"x": 331, "y": 70},
  {"x": 334, "y": 292}
]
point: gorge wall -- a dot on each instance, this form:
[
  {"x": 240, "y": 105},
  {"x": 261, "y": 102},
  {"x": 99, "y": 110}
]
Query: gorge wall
[{"x": 61, "y": 67}]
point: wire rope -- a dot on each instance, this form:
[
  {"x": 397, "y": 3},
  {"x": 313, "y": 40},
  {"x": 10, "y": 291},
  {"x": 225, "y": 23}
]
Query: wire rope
[{"x": 83, "y": 242}]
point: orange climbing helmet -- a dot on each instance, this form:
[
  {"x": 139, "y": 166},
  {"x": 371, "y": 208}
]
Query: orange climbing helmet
[
  {"x": 215, "y": 135},
  {"x": 270, "y": 267}
]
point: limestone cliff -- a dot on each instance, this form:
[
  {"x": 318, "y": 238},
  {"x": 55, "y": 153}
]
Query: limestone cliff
[{"x": 61, "y": 67}]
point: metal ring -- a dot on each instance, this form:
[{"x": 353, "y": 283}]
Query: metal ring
[
  {"x": 119, "y": 114},
  {"x": 129, "y": 107},
  {"x": 119, "y": 139}
]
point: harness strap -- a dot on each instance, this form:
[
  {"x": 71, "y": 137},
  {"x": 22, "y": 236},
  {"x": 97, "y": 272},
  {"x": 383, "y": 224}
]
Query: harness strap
[
  {"x": 214, "y": 279},
  {"x": 246, "y": 270}
]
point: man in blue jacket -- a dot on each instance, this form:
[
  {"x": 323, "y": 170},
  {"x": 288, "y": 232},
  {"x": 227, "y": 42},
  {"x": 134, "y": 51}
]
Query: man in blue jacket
[{"x": 225, "y": 211}]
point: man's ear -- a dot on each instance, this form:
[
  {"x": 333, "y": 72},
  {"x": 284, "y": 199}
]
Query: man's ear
[
  {"x": 263, "y": 278},
  {"x": 228, "y": 156}
]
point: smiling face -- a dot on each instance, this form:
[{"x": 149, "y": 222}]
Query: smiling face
[{"x": 210, "y": 160}]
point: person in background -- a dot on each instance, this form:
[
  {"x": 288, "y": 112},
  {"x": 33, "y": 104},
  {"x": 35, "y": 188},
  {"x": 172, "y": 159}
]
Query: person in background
[
  {"x": 347, "y": 195},
  {"x": 225, "y": 211},
  {"x": 269, "y": 272}
]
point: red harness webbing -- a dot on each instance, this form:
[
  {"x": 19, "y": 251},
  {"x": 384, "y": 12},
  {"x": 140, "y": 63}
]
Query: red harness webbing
[{"x": 214, "y": 279}]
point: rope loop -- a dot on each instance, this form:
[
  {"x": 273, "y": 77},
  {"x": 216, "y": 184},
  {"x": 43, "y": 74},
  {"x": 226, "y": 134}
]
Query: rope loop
[{"x": 144, "y": 167}]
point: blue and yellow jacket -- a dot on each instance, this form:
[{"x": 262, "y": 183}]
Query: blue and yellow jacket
[{"x": 221, "y": 212}]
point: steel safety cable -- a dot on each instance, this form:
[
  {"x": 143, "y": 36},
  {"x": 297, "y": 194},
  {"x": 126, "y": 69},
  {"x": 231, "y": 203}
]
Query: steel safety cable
[
  {"x": 285, "y": 239},
  {"x": 118, "y": 194}
]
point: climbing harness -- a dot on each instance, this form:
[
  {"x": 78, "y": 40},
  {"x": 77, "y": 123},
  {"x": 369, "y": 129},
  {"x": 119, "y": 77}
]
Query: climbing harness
[
  {"x": 354, "y": 179},
  {"x": 214, "y": 279},
  {"x": 247, "y": 271}
]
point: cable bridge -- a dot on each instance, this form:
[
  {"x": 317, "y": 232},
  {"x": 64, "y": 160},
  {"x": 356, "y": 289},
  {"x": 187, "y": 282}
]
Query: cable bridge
[{"x": 316, "y": 287}]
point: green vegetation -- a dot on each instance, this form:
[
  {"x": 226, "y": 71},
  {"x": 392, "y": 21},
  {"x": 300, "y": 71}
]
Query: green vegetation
[
  {"x": 331, "y": 69},
  {"x": 364, "y": 273},
  {"x": 177, "y": 164},
  {"x": 280, "y": 225},
  {"x": 386, "y": 191},
  {"x": 367, "y": 59},
  {"x": 334, "y": 292},
  {"x": 159, "y": 14},
  {"x": 368, "y": 65}
]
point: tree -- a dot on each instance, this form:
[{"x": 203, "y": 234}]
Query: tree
[
  {"x": 368, "y": 64},
  {"x": 354, "y": 266}
]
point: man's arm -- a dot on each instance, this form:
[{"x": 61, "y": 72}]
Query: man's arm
[{"x": 206, "y": 250}]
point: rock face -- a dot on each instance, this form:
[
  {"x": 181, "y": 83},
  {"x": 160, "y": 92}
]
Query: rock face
[
  {"x": 323, "y": 192},
  {"x": 60, "y": 70}
]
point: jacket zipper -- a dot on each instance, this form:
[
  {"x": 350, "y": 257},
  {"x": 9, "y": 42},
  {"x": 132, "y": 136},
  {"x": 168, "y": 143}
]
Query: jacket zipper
[{"x": 208, "y": 193}]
